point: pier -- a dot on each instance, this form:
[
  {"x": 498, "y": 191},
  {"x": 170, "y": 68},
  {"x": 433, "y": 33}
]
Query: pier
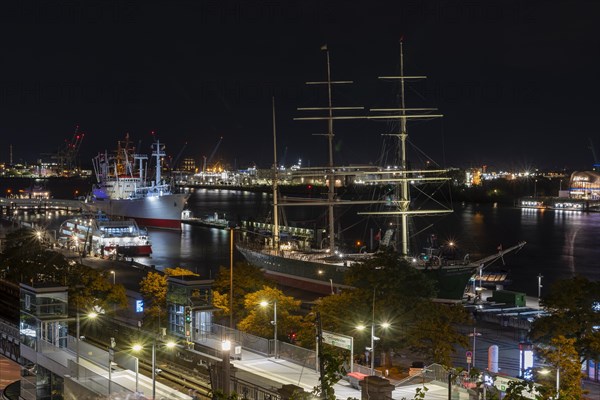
[{"x": 8, "y": 204}]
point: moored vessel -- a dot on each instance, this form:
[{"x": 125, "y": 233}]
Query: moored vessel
[
  {"x": 123, "y": 189},
  {"x": 297, "y": 262},
  {"x": 98, "y": 235},
  {"x": 208, "y": 221}
]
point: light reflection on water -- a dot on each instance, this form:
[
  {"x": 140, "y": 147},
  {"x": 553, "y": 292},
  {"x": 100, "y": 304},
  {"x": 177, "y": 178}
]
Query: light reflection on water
[{"x": 560, "y": 243}]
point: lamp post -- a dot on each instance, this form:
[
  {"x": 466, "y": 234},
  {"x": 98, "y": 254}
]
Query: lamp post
[
  {"x": 90, "y": 315},
  {"x": 114, "y": 276},
  {"x": 111, "y": 355},
  {"x": 373, "y": 339},
  {"x": 231, "y": 278},
  {"x": 139, "y": 347},
  {"x": 474, "y": 336},
  {"x": 546, "y": 372},
  {"x": 136, "y": 348},
  {"x": 226, "y": 347},
  {"x": 274, "y": 322}
]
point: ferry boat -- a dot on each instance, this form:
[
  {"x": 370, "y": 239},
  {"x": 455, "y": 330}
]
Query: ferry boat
[
  {"x": 123, "y": 190},
  {"x": 99, "y": 235},
  {"x": 310, "y": 265}
]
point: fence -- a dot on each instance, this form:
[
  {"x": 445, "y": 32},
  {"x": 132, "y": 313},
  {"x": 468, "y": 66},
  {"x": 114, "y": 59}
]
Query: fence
[
  {"x": 255, "y": 343},
  {"x": 250, "y": 391}
]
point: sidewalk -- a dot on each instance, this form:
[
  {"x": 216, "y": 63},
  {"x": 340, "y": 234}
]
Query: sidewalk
[{"x": 283, "y": 372}]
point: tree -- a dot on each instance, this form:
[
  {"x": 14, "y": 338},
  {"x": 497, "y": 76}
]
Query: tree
[
  {"x": 246, "y": 279},
  {"x": 516, "y": 389},
  {"x": 393, "y": 276},
  {"x": 573, "y": 311},
  {"x": 258, "y": 320},
  {"x": 387, "y": 289},
  {"x": 333, "y": 362},
  {"x": 26, "y": 259},
  {"x": 433, "y": 332},
  {"x": 153, "y": 288},
  {"x": 562, "y": 356},
  {"x": 90, "y": 289}
]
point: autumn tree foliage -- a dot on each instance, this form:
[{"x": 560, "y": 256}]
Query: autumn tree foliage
[
  {"x": 434, "y": 333},
  {"x": 389, "y": 291},
  {"x": 246, "y": 279},
  {"x": 153, "y": 288},
  {"x": 562, "y": 355},
  {"x": 258, "y": 319}
]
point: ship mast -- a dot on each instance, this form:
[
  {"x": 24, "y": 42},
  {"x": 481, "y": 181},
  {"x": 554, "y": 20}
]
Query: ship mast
[
  {"x": 404, "y": 201},
  {"x": 158, "y": 152},
  {"x": 330, "y": 174},
  {"x": 402, "y": 210}
]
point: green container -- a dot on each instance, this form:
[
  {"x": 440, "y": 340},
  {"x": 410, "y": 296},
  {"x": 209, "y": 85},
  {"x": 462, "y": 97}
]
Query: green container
[{"x": 516, "y": 299}]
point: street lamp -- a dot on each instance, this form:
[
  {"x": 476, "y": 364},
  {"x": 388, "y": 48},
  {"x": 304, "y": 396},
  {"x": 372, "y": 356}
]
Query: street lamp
[
  {"x": 384, "y": 325},
  {"x": 226, "y": 347},
  {"x": 114, "y": 276},
  {"x": 92, "y": 315},
  {"x": 139, "y": 347},
  {"x": 136, "y": 348},
  {"x": 265, "y": 303},
  {"x": 546, "y": 372},
  {"x": 474, "y": 336}
]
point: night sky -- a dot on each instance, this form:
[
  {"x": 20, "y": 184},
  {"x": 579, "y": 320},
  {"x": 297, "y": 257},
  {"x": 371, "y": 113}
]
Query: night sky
[{"x": 517, "y": 81}]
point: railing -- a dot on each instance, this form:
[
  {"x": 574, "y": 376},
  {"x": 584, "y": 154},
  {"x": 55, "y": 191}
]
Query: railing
[
  {"x": 246, "y": 340},
  {"x": 250, "y": 391}
]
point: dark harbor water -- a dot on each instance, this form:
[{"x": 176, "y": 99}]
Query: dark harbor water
[{"x": 560, "y": 244}]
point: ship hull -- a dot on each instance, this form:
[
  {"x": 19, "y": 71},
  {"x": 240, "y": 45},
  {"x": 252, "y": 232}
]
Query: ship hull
[
  {"x": 132, "y": 251},
  {"x": 322, "y": 278},
  {"x": 152, "y": 211}
]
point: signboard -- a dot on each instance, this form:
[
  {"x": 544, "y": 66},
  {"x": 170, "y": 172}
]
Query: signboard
[
  {"x": 337, "y": 340},
  {"x": 139, "y": 306},
  {"x": 501, "y": 383}
]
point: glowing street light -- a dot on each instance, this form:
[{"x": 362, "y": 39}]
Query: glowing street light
[
  {"x": 374, "y": 338},
  {"x": 546, "y": 372},
  {"x": 114, "y": 276},
  {"x": 265, "y": 303},
  {"x": 137, "y": 348},
  {"x": 91, "y": 316}
]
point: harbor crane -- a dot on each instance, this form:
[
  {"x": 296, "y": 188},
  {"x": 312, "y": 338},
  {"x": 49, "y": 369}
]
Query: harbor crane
[{"x": 66, "y": 155}]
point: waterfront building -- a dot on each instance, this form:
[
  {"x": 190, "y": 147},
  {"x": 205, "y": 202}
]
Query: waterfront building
[
  {"x": 43, "y": 332},
  {"x": 585, "y": 185}
]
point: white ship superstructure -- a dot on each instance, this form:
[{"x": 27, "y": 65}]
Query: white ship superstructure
[{"x": 123, "y": 188}]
